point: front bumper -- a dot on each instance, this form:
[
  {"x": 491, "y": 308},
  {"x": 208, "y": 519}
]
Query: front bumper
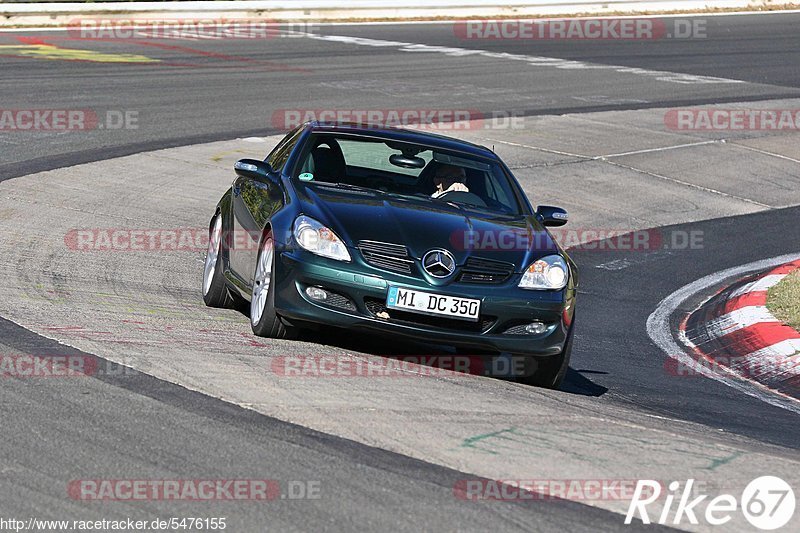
[{"x": 360, "y": 294}]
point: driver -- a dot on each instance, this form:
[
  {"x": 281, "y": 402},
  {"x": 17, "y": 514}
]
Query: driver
[{"x": 449, "y": 178}]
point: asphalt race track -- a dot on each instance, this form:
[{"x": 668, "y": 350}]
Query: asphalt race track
[
  {"x": 186, "y": 392},
  {"x": 210, "y": 90}
]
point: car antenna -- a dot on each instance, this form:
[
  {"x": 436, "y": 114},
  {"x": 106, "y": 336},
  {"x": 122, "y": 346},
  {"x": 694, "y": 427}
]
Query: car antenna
[{"x": 493, "y": 149}]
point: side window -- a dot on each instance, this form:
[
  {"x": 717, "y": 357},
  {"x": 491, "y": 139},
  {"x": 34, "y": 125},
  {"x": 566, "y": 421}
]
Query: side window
[
  {"x": 278, "y": 157},
  {"x": 489, "y": 187},
  {"x": 308, "y": 163}
]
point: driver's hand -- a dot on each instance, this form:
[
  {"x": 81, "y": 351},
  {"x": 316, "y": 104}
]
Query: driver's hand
[{"x": 457, "y": 187}]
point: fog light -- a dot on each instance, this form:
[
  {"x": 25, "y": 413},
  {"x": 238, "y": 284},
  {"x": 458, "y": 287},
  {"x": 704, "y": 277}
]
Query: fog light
[
  {"x": 315, "y": 293},
  {"x": 535, "y": 328}
]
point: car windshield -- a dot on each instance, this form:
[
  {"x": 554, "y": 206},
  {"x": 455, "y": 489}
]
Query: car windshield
[{"x": 407, "y": 169}]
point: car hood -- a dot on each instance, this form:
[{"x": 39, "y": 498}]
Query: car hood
[{"x": 422, "y": 224}]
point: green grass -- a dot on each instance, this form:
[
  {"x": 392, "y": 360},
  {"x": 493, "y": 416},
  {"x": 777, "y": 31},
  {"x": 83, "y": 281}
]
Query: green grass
[{"x": 783, "y": 300}]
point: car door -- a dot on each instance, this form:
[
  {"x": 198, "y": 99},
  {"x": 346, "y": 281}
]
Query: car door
[{"x": 254, "y": 202}]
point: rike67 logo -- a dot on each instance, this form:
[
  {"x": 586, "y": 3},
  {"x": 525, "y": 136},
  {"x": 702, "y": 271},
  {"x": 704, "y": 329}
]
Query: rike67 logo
[{"x": 767, "y": 503}]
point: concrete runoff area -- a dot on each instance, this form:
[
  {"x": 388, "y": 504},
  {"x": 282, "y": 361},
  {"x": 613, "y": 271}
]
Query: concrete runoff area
[{"x": 143, "y": 309}]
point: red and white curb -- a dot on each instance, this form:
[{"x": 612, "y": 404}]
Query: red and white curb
[
  {"x": 734, "y": 329},
  {"x": 732, "y": 337}
]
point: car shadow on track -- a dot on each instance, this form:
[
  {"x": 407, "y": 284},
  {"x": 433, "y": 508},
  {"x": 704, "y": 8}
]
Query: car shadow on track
[
  {"x": 439, "y": 357},
  {"x": 577, "y": 383}
]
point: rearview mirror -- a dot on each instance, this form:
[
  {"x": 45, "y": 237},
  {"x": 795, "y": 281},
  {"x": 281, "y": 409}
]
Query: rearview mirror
[
  {"x": 551, "y": 216},
  {"x": 252, "y": 169},
  {"x": 405, "y": 161}
]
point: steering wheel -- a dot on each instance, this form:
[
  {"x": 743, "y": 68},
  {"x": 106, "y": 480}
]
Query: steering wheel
[{"x": 463, "y": 197}]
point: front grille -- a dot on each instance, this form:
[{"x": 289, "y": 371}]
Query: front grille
[
  {"x": 333, "y": 299},
  {"x": 386, "y": 256},
  {"x": 375, "y": 306},
  {"x": 516, "y": 330},
  {"x": 337, "y": 300},
  {"x": 477, "y": 270}
]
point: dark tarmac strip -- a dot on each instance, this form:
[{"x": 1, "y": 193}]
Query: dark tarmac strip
[{"x": 612, "y": 347}]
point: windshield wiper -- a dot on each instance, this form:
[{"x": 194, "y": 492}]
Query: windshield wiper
[
  {"x": 340, "y": 185},
  {"x": 365, "y": 189}
]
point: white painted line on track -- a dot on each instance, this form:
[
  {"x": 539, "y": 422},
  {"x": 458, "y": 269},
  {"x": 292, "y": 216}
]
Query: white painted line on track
[
  {"x": 659, "y": 330},
  {"x": 547, "y": 150},
  {"x": 689, "y": 184},
  {"x": 661, "y": 149},
  {"x": 535, "y": 61},
  {"x": 765, "y": 152},
  {"x": 608, "y": 159}
]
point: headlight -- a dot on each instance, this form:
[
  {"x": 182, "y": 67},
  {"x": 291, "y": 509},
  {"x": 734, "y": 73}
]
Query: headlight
[
  {"x": 549, "y": 272},
  {"x": 317, "y": 239}
]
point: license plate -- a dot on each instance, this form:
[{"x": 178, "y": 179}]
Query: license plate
[{"x": 433, "y": 304}]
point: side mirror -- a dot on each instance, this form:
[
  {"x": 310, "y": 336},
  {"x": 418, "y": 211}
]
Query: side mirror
[
  {"x": 252, "y": 169},
  {"x": 552, "y": 216}
]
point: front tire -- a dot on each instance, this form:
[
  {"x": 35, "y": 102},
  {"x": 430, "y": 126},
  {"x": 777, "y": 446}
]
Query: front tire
[
  {"x": 264, "y": 321},
  {"x": 215, "y": 293},
  {"x": 549, "y": 372}
]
